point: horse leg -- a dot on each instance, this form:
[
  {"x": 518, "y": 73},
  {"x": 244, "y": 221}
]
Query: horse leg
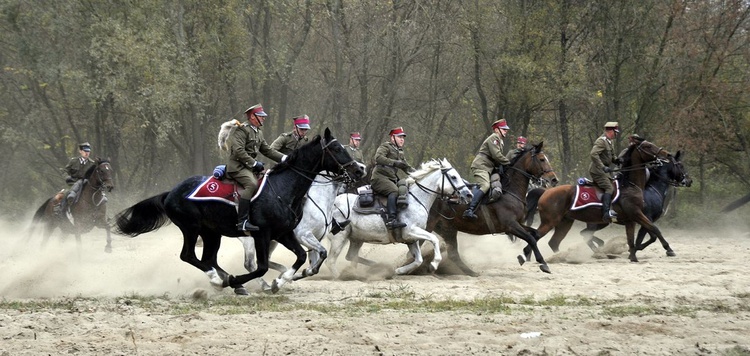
[
  {"x": 561, "y": 230},
  {"x": 217, "y": 278},
  {"x": 416, "y": 253},
  {"x": 451, "y": 245},
  {"x": 248, "y": 245},
  {"x": 261, "y": 242},
  {"x": 317, "y": 254},
  {"x": 520, "y": 231},
  {"x": 592, "y": 241},
  {"x": 422, "y": 235},
  {"x": 289, "y": 241},
  {"x": 108, "y": 247},
  {"x": 653, "y": 230},
  {"x": 337, "y": 244},
  {"x": 639, "y": 245},
  {"x": 630, "y": 232}
]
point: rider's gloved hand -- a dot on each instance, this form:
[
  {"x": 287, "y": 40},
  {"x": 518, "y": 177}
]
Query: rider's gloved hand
[
  {"x": 257, "y": 167},
  {"x": 606, "y": 169}
]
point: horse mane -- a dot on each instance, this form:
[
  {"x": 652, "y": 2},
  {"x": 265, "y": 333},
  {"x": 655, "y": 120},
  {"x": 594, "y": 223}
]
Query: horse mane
[
  {"x": 91, "y": 169},
  {"x": 428, "y": 167},
  {"x": 294, "y": 156}
]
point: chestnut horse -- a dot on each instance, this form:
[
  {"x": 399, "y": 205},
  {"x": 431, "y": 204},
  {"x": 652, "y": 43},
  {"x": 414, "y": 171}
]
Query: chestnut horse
[
  {"x": 555, "y": 203},
  {"x": 89, "y": 211},
  {"x": 502, "y": 216}
]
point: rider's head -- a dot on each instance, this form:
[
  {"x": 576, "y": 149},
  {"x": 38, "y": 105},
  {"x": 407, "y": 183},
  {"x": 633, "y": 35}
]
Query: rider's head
[
  {"x": 611, "y": 129},
  {"x": 521, "y": 142},
  {"x": 256, "y": 115},
  {"x": 354, "y": 139},
  {"x": 84, "y": 149},
  {"x": 301, "y": 125},
  {"x": 500, "y": 127},
  {"x": 398, "y": 136}
]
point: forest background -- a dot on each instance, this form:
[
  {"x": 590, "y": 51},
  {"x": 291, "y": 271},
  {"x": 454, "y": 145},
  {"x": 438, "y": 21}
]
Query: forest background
[{"x": 148, "y": 83}]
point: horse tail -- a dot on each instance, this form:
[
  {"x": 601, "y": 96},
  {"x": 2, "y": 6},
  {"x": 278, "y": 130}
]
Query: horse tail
[
  {"x": 39, "y": 215},
  {"x": 145, "y": 216},
  {"x": 532, "y": 200}
]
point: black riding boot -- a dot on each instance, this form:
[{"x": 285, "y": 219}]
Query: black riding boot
[
  {"x": 392, "y": 222},
  {"x": 606, "y": 202},
  {"x": 478, "y": 195},
  {"x": 243, "y": 217}
]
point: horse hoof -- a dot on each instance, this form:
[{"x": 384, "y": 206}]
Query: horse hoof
[
  {"x": 671, "y": 253},
  {"x": 521, "y": 260},
  {"x": 275, "y": 287},
  {"x": 241, "y": 291},
  {"x": 545, "y": 268},
  {"x": 108, "y": 249}
]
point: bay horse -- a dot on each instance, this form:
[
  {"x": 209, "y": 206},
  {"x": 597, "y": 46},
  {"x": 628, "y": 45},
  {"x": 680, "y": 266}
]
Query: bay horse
[
  {"x": 87, "y": 212},
  {"x": 502, "y": 216},
  {"x": 433, "y": 178},
  {"x": 276, "y": 210},
  {"x": 555, "y": 203},
  {"x": 661, "y": 178}
]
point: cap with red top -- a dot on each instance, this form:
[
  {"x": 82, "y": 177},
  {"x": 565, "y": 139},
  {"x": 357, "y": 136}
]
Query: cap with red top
[
  {"x": 399, "y": 131},
  {"x": 302, "y": 122},
  {"x": 522, "y": 140},
  {"x": 255, "y": 109},
  {"x": 500, "y": 124},
  {"x": 355, "y": 136}
]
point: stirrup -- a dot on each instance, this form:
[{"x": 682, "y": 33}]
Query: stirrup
[
  {"x": 469, "y": 214},
  {"x": 394, "y": 224},
  {"x": 247, "y": 226}
]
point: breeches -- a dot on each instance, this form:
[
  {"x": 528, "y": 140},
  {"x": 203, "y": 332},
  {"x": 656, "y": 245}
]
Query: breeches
[
  {"x": 383, "y": 186},
  {"x": 602, "y": 181},
  {"x": 482, "y": 178},
  {"x": 247, "y": 180}
]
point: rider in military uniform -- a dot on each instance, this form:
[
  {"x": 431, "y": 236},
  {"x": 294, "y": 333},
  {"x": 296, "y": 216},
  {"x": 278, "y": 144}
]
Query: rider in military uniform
[
  {"x": 600, "y": 169},
  {"x": 353, "y": 147},
  {"x": 489, "y": 157},
  {"x": 389, "y": 165},
  {"x": 245, "y": 142},
  {"x": 290, "y": 141},
  {"x": 76, "y": 170},
  {"x": 520, "y": 144}
]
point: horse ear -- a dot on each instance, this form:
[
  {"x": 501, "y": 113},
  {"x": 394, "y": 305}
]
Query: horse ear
[
  {"x": 677, "y": 155},
  {"x": 328, "y": 136},
  {"x": 539, "y": 146}
]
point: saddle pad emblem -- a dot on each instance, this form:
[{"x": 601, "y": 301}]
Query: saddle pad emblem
[{"x": 214, "y": 189}]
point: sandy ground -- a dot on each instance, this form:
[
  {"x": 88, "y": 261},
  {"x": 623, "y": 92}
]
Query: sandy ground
[{"x": 141, "y": 299}]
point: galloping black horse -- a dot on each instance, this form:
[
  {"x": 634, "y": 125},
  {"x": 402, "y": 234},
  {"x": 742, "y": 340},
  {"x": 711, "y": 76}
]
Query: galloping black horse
[
  {"x": 88, "y": 212},
  {"x": 276, "y": 210}
]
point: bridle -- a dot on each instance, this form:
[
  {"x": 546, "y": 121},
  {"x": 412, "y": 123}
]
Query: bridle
[
  {"x": 444, "y": 176},
  {"x": 326, "y": 146},
  {"x": 536, "y": 179},
  {"x": 100, "y": 187}
]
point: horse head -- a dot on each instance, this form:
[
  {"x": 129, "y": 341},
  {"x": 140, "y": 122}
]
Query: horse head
[
  {"x": 534, "y": 162},
  {"x": 337, "y": 159},
  {"x": 100, "y": 175},
  {"x": 450, "y": 183},
  {"x": 676, "y": 171}
]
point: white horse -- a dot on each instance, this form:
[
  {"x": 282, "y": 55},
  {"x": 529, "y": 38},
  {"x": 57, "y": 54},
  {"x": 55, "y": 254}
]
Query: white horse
[
  {"x": 316, "y": 221},
  {"x": 433, "y": 178}
]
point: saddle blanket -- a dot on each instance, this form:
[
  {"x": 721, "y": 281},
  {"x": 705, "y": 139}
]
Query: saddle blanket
[
  {"x": 214, "y": 189},
  {"x": 591, "y": 195}
]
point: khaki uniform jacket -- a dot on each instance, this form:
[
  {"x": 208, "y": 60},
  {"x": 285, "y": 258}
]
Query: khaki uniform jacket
[
  {"x": 385, "y": 175},
  {"x": 490, "y": 154},
  {"x": 355, "y": 153},
  {"x": 245, "y": 144},
  {"x": 288, "y": 142},
  {"x": 77, "y": 167},
  {"x": 602, "y": 154}
]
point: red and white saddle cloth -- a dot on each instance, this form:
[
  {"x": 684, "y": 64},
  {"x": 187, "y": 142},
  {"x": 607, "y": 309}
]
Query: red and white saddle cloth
[
  {"x": 591, "y": 195},
  {"x": 225, "y": 191}
]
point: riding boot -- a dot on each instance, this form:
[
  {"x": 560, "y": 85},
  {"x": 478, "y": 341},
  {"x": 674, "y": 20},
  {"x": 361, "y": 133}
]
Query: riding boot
[
  {"x": 606, "y": 202},
  {"x": 478, "y": 195},
  {"x": 243, "y": 217},
  {"x": 392, "y": 222}
]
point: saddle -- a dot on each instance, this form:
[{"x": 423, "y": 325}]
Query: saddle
[
  {"x": 369, "y": 203},
  {"x": 224, "y": 189},
  {"x": 587, "y": 194}
]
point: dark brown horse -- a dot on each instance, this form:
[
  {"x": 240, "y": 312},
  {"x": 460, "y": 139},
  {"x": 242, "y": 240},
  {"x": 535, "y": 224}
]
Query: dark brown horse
[
  {"x": 88, "y": 212},
  {"x": 502, "y": 216},
  {"x": 555, "y": 203}
]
